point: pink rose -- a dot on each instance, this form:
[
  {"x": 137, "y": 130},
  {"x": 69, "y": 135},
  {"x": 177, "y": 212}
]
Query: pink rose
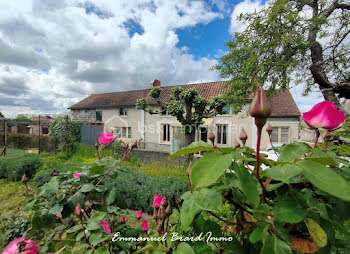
[
  {"x": 162, "y": 202},
  {"x": 59, "y": 215},
  {"x": 139, "y": 214},
  {"x": 77, "y": 175},
  {"x": 324, "y": 115},
  {"x": 28, "y": 247},
  {"x": 77, "y": 210},
  {"x": 156, "y": 200},
  {"x": 123, "y": 220},
  {"x": 106, "y": 138},
  {"x": 145, "y": 225},
  {"x": 105, "y": 226}
]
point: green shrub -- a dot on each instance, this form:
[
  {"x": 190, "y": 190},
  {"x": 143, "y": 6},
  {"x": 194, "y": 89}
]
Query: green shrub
[
  {"x": 17, "y": 163},
  {"x": 138, "y": 189}
]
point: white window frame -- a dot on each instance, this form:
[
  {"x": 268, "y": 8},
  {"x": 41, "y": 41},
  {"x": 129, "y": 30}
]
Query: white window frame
[
  {"x": 220, "y": 138},
  {"x": 167, "y": 128},
  {"x": 123, "y": 111},
  {"x": 119, "y": 132},
  {"x": 279, "y": 135}
]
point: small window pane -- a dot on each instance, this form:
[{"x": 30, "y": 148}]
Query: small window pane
[
  {"x": 224, "y": 134},
  {"x": 168, "y": 132},
  {"x": 125, "y": 111},
  {"x": 219, "y": 134},
  {"x": 119, "y": 135},
  {"x": 124, "y": 132},
  {"x": 284, "y": 135},
  {"x": 129, "y": 132},
  {"x": 274, "y": 135},
  {"x": 98, "y": 116}
]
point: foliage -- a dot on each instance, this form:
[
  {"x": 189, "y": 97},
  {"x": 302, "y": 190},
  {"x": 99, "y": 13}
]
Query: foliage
[
  {"x": 1, "y": 114},
  {"x": 290, "y": 42},
  {"x": 22, "y": 118},
  {"x": 67, "y": 131},
  {"x": 117, "y": 148},
  {"x": 305, "y": 190},
  {"x": 26, "y": 141},
  {"x": 187, "y": 106},
  {"x": 344, "y": 131},
  {"x": 17, "y": 163}
]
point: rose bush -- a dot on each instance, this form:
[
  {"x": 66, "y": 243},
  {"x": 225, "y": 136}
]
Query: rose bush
[{"x": 297, "y": 204}]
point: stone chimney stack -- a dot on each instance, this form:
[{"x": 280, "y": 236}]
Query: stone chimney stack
[{"x": 156, "y": 82}]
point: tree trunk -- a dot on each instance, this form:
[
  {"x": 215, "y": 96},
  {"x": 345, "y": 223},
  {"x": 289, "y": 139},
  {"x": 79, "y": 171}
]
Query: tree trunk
[{"x": 190, "y": 137}]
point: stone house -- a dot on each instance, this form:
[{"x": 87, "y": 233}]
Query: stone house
[{"x": 116, "y": 112}]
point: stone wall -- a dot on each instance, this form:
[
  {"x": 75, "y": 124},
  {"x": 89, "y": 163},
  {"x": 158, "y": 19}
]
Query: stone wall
[{"x": 83, "y": 115}]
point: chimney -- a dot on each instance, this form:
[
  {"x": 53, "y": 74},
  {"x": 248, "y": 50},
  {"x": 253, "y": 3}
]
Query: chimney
[{"x": 156, "y": 82}]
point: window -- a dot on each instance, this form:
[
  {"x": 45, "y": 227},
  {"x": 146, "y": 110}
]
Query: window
[
  {"x": 122, "y": 132},
  {"x": 164, "y": 111},
  {"x": 280, "y": 135},
  {"x": 98, "y": 116},
  {"x": 123, "y": 111},
  {"x": 274, "y": 135},
  {"x": 165, "y": 133},
  {"x": 222, "y": 133}
]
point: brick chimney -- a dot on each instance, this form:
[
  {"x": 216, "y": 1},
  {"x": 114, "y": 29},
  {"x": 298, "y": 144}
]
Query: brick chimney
[{"x": 156, "y": 82}]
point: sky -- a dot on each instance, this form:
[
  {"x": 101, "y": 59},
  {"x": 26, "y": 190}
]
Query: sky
[{"x": 55, "y": 53}]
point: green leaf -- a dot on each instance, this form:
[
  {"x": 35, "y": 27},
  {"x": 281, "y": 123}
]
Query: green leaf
[
  {"x": 96, "y": 238},
  {"x": 284, "y": 173},
  {"x": 257, "y": 234},
  {"x": 326, "y": 179},
  {"x": 97, "y": 217},
  {"x": 188, "y": 211},
  {"x": 87, "y": 187},
  {"x": 247, "y": 184},
  {"x": 293, "y": 151},
  {"x": 93, "y": 225},
  {"x": 261, "y": 212},
  {"x": 195, "y": 147},
  {"x": 96, "y": 170},
  {"x": 74, "y": 229},
  {"x": 101, "y": 250},
  {"x": 184, "y": 248},
  {"x": 289, "y": 209},
  {"x": 208, "y": 169},
  {"x": 274, "y": 186},
  {"x": 145, "y": 249},
  {"x": 316, "y": 232},
  {"x": 56, "y": 209},
  {"x": 49, "y": 188},
  {"x": 273, "y": 245},
  {"x": 208, "y": 200},
  {"x": 77, "y": 198}
]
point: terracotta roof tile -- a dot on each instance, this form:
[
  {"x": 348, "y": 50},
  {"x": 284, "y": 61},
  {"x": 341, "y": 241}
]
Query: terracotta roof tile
[{"x": 283, "y": 103}]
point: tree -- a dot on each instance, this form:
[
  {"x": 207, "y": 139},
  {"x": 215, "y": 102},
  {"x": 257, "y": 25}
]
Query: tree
[
  {"x": 1, "y": 114},
  {"x": 22, "y": 118},
  {"x": 291, "y": 42},
  {"x": 187, "y": 106}
]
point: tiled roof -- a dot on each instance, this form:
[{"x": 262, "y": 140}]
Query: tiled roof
[{"x": 282, "y": 103}]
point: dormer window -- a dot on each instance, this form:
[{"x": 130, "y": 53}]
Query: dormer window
[{"x": 123, "y": 111}]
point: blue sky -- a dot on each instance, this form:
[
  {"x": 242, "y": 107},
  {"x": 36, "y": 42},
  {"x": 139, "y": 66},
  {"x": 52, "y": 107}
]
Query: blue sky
[{"x": 55, "y": 53}]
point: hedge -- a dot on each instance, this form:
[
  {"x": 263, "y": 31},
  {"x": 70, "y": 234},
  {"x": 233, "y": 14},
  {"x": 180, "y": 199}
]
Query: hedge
[
  {"x": 17, "y": 162},
  {"x": 28, "y": 141},
  {"x": 138, "y": 189}
]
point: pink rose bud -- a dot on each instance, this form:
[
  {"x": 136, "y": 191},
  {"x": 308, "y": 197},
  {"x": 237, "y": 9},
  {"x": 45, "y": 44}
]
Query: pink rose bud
[
  {"x": 123, "y": 220},
  {"x": 156, "y": 200},
  {"x": 134, "y": 144},
  {"x": 139, "y": 214},
  {"x": 237, "y": 144},
  {"x": 59, "y": 215},
  {"x": 102, "y": 201},
  {"x": 243, "y": 136},
  {"x": 260, "y": 106},
  {"x": 324, "y": 115},
  {"x": 211, "y": 137},
  {"x": 162, "y": 202},
  {"x": 77, "y": 175},
  {"x": 145, "y": 225},
  {"x": 269, "y": 129},
  {"x": 78, "y": 211},
  {"x": 105, "y": 227},
  {"x": 106, "y": 138}
]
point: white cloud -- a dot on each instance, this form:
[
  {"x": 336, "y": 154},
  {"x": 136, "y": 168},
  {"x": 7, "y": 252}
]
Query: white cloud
[
  {"x": 247, "y": 6},
  {"x": 59, "y": 51}
]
